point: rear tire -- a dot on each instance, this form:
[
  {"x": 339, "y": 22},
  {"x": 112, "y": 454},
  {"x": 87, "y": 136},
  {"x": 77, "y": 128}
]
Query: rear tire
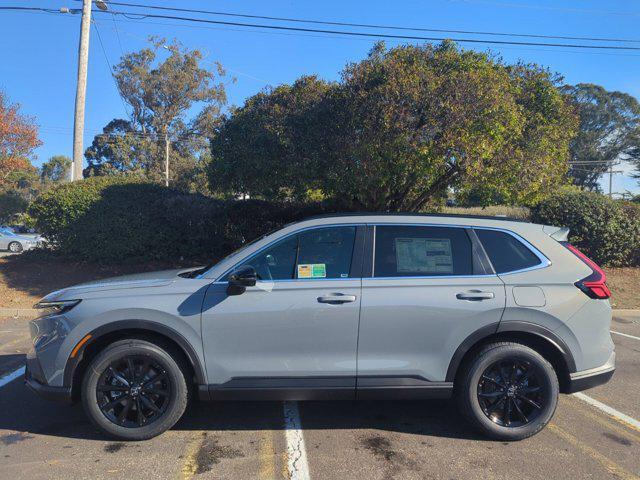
[
  {"x": 508, "y": 391},
  {"x": 134, "y": 390}
]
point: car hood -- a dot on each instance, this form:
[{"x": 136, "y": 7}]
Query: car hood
[{"x": 138, "y": 280}]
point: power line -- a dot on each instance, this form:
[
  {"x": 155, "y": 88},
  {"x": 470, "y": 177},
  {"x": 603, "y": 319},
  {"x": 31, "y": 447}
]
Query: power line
[
  {"x": 365, "y": 34},
  {"x": 366, "y": 25},
  {"x": 135, "y": 16}
]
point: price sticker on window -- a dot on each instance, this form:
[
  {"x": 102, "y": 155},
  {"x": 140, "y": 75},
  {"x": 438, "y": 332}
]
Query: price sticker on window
[{"x": 312, "y": 270}]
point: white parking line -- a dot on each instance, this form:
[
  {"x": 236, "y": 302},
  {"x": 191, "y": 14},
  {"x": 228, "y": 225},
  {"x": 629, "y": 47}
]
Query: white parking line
[
  {"x": 632, "y": 422},
  {"x": 296, "y": 453},
  {"x": 625, "y": 335},
  {"x": 11, "y": 376}
]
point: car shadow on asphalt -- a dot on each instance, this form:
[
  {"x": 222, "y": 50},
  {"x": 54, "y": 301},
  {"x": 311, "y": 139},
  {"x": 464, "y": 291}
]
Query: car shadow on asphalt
[{"x": 434, "y": 418}]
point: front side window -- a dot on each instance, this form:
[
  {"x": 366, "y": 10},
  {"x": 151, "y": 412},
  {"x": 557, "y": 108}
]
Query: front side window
[
  {"x": 507, "y": 253},
  {"x": 415, "y": 251},
  {"x": 312, "y": 254}
]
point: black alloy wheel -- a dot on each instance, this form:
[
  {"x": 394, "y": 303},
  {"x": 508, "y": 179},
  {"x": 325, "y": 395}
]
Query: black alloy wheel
[
  {"x": 134, "y": 391},
  {"x": 511, "y": 393}
]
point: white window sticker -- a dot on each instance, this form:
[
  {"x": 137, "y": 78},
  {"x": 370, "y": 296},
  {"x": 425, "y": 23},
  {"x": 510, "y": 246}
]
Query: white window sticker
[{"x": 423, "y": 255}]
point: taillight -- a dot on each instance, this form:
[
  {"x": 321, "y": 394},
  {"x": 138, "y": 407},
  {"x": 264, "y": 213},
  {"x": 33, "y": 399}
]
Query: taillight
[{"x": 595, "y": 285}]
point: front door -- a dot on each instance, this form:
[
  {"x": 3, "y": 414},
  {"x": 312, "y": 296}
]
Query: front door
[
  {"x": 297, "y": 328},
  {"x": 426, "y": 295}
]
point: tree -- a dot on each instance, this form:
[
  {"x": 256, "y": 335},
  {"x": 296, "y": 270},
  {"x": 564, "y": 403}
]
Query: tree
[
  {"x": 56, "y": 169},
  {"x": 401, "y": 128},
  {"x": 277, "y": 157},
  {"x": 160, "y": 93},
  {"x": 18, "y": 141},
  {"x": 609, "y": 131}
]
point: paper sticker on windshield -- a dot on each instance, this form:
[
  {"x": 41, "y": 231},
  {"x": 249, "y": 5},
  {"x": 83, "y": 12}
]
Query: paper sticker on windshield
[{"x": 312, "y": 270}]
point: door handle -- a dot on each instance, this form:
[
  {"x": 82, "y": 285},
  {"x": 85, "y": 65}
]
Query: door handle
[
  {"x": 475, "y": 295},
  {"x": 336, "y": 298}
]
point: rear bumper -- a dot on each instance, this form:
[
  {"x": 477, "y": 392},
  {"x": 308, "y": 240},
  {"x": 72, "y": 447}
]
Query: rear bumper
[
  {"x": 592, "y": 378},
  {"x": 58, "y": 394}
]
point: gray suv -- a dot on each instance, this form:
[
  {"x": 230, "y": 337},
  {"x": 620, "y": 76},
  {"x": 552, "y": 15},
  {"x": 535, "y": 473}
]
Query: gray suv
[{"x": 500, "y": 315}]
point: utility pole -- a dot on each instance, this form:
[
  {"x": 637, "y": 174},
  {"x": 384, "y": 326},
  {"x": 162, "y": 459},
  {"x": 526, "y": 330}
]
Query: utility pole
[
  {"x": 611, "y": 173},
  {"x": 81, "y": 92},
  {"x": 81, "y": 89},
  {"x": 166, "y": 157}
]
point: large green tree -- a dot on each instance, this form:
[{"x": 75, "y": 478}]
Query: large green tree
[
  {"x": 162, "y": 85},
  {"x": 609, "y": 132},
  {"x": 399, "y": 129}
]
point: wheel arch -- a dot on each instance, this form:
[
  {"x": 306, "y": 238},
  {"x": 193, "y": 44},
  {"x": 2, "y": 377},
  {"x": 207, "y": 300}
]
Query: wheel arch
[
  {"x": 539, "y": 338},
  {"x": 142, "y": 329}
]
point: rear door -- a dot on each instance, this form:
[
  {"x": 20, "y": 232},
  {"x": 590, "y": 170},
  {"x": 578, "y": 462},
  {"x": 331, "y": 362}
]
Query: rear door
[
  {"x": 297, "y": 328},
  {"x": 429, "y": 290}
]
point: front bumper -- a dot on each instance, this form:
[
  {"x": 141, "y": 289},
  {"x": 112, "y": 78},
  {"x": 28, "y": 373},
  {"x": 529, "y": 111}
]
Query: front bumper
[
  {"x": 34, "y": 379},
  {"x": 586, "y": 379}
]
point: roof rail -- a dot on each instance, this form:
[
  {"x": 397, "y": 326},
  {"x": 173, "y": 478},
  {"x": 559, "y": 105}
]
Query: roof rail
[{"x": 411, "y": 214}]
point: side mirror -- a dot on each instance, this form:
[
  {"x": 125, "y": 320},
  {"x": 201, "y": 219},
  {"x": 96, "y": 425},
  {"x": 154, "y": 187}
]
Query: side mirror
[{"x": 242, "y": 278}]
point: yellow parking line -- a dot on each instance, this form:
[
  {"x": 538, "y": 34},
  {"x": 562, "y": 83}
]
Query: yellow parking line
[
  {"x": 267, "y": 456},
  {"x": 611, "y": 466},
  {"x": 630, "y": 434},
  {"x": 190, "y": 464}
]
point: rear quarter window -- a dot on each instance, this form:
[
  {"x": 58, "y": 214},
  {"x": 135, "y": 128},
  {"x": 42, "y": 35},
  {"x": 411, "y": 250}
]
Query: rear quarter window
[{"x": 506, "y": 252}]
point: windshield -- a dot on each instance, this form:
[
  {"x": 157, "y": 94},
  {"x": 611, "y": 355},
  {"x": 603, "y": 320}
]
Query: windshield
[{"x": 6, "y": 231}]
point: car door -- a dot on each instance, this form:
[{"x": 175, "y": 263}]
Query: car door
[
  {"x": 428, "y": 290},
  {"x": 296, "y": 330}
]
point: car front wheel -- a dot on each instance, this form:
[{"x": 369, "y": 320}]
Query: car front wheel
[
  {"x": 15, "y": 247},
  {"x": 134, "y": 390},
  {"x": 508, "y": 391}
]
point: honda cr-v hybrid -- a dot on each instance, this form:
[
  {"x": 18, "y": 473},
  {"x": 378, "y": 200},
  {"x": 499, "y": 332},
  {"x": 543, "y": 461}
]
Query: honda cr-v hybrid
[{"x": 500, "y": 315}]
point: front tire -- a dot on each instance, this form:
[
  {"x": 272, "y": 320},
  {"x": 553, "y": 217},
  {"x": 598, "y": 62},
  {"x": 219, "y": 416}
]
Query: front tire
[
  {"x": 134, "y": 390},
  {"x": 508, "y": 391},
  {"x": 15, "y": 247}
]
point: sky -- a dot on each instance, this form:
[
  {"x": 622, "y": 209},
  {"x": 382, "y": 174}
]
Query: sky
[{"x": 38, "y": 51}]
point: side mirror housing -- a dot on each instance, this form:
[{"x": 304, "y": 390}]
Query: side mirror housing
[{"x": 240, "y": 279}]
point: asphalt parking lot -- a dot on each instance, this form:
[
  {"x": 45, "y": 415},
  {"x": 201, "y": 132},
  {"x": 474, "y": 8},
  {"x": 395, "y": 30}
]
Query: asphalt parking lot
[{"x": 329, "y": 440}]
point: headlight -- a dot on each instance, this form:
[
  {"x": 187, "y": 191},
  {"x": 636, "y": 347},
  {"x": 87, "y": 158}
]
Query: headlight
[{"x": 51, "y": 308}]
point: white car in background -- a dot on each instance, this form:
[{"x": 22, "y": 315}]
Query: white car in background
[{"x": 16, "y": 243}]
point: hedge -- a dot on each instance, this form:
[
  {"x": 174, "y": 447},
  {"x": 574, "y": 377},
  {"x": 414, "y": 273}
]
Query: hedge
[
  {"x": 115, "y": 220},
  {"x": 606, "y": 230}
]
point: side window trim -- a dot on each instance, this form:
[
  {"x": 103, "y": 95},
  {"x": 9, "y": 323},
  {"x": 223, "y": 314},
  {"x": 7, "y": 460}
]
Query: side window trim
[
  {"x": 359, "y": 227},
  {"x": 544, "y": 261}
]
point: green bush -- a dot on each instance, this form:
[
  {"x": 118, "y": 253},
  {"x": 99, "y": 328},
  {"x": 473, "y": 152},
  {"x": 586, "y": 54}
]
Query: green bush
[
  {"x": 114, "y": 220},
  {"x": 606, "y": 230}
]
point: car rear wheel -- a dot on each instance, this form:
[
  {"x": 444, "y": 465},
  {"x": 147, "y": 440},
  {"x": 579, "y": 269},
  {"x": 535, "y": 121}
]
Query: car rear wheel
[
  {"x": 134, "y": 390},
  {"x": 508, "y": 391},
  {"x": 15, "y": 247}
]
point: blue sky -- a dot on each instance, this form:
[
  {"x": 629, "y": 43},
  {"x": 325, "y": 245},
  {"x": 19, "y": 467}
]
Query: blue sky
[{"x": 39, "y": 51}]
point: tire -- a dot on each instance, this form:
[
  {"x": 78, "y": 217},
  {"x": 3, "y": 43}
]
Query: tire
[
  {"x": 123, "y": 407},
  {"x": 15, "y": 247},
  {"x": 503, "y": 401}
]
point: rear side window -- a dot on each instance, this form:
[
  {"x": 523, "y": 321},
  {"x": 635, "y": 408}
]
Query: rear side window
[
  {"x": 414, "y": 251},
  {"x": 507, "y": 253}
]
